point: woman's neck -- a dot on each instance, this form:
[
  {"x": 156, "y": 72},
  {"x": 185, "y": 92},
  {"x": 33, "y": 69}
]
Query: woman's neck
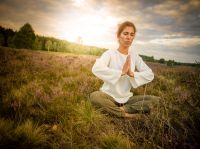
[{"x": 123, "y": 50}]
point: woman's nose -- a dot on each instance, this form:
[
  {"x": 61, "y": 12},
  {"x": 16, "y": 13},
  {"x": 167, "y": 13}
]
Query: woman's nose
[{"x": 128, "y": 37}]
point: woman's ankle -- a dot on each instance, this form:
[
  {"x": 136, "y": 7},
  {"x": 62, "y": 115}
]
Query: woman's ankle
[
  {"x": 135, "y": 116},
  {"x": 128, "y": 115}
]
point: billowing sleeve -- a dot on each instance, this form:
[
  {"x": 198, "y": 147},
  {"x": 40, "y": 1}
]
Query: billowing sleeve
[
  {"x": 144, "y": 74},
  {"x": 102, "y": 71}
]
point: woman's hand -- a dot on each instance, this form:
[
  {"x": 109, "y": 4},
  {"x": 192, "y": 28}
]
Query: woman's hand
[
  {"x": 126, "y": 66},
  {"x": 130, "y": 73}
]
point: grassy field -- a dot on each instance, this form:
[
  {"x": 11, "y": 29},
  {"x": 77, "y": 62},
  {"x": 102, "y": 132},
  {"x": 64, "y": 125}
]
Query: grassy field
[{"x": 44, "y": 104}]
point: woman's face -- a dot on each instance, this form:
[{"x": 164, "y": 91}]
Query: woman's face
[{"x": 126, "y": 37}]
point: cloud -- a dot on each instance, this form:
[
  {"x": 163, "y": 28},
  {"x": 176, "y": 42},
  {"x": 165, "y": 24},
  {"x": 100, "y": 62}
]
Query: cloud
[
  {"x": 188, "y": 54},
  {"x": 162, "y": 26},
  {"x": 177, "y": 42},
  {"x": 180, "y": 16}
]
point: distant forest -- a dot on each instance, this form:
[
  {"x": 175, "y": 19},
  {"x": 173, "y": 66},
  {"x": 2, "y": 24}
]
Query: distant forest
[{"x": 26, "y": 38}]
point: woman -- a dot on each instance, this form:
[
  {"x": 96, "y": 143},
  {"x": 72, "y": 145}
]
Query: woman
[{"x": 117, "y": 68}]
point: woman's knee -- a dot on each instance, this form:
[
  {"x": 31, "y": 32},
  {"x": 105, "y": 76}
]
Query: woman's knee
[
  {"x": 152, "y": 97},
  {"x": 94, "y": 96}
]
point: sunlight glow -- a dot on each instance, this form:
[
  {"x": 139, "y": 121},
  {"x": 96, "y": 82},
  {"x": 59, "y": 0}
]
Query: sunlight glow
[
  {"x": 90, "y": 27},
  {"x": 78, "y": 2}
]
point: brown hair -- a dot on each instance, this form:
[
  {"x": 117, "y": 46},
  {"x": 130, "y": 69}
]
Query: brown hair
[{"x": 123, "y": 25}]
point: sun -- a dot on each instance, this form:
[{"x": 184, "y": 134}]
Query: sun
[{"x": 78, "y": 2}]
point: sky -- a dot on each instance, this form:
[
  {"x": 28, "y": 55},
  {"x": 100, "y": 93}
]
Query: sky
[{"x": 168, "y": 29}]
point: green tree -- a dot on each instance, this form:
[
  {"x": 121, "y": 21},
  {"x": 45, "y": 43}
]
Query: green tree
[
  {"x": 2, "y": 36},
  {"x": 37, "y": 44},
  {"x": 48, "y": 45},
  {"x": 162, "y": 61},
  {"x": 170, "y": 63},
  {"x": 54, "y": 46},
  {"x": 1, "y": 39},
  {"x": 152, "y": 59},
  {"x": 6, "y": 37},
  {"x": 25, "y": 37}
]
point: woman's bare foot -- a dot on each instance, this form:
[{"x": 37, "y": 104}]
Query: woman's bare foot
[
  {"x": 132, "y": 116},
  {"x": 128, "y": 115}
]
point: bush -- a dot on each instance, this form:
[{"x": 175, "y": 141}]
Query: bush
[{"x": 25, "y": 37}]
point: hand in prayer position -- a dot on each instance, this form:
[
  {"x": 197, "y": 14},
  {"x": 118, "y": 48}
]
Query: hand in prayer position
[{"x": 127, "y": 67}]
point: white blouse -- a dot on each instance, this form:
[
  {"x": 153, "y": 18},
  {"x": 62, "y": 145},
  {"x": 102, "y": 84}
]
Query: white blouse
[{"x": 109, "y": 69}]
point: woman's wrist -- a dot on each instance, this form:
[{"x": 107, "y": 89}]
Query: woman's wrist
[
  {"x": 131, "y": 74},
  {"x": 123, "y": 73}
]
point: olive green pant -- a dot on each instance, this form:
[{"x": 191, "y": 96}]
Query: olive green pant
[{"x": 135, "y": 104}]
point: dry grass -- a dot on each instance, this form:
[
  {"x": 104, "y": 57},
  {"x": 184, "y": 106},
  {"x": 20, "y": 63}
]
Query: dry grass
[{"x": 43, "y": 104}]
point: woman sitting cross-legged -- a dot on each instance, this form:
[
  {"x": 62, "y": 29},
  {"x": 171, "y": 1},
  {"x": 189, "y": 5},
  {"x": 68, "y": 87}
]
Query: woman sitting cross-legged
[{"x": 117, "y": 68}]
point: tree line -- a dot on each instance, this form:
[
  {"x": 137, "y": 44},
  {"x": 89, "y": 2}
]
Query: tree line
[
  {"x": 168, "y": 62},
  {"x": 26, "y": 38}
]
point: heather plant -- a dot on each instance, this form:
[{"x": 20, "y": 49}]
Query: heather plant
[{"x": 44, "y": 104}]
